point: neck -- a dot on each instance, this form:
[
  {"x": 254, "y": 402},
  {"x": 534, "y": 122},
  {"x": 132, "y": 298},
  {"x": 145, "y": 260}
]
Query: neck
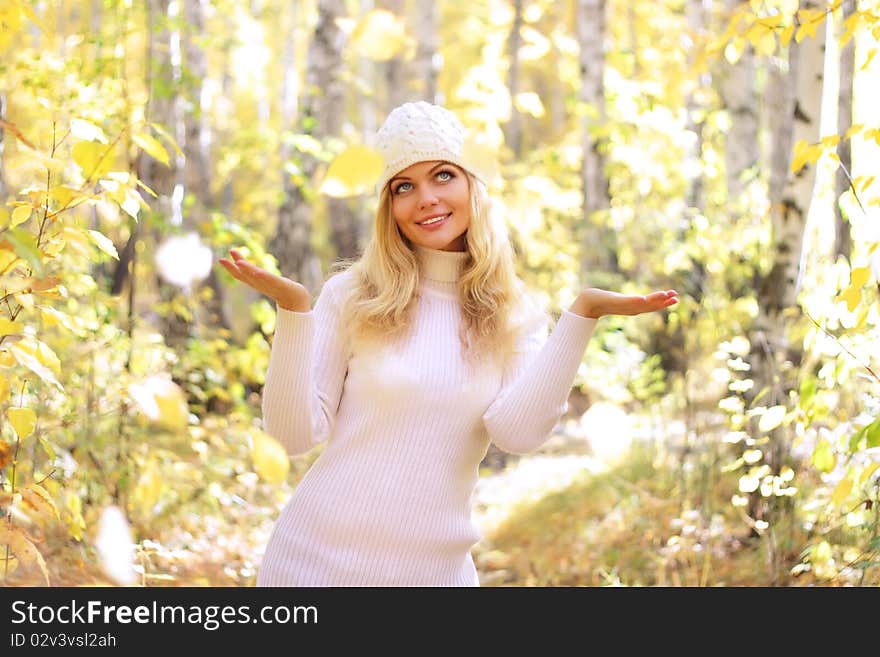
[{"x": 437, "y": 265}]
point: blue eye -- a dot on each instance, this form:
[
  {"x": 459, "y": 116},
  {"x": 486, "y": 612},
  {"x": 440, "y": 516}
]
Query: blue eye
[
  {"x": 449, "y": 175},
  {"x": 400, "y": 187}
]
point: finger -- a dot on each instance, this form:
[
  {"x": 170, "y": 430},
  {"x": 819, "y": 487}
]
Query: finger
[{"x": 234, "y": 271}]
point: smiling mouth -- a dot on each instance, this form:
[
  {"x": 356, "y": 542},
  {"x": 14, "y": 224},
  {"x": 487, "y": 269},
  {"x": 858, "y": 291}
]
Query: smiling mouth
[{"x": 434, "y": 220}]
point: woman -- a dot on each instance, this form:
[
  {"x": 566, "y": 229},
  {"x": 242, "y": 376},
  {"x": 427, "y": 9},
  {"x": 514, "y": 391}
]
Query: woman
[{"x": 413, "y": 360}]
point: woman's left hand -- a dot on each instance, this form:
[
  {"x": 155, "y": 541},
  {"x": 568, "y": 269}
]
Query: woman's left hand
[{"x": 594, "y": 302}]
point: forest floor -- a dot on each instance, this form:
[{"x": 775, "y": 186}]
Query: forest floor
[{"x": 574, "y": 513}]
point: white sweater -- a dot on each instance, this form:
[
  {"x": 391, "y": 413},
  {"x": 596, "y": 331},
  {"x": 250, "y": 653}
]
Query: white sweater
[{"x": 388, "y": 500}]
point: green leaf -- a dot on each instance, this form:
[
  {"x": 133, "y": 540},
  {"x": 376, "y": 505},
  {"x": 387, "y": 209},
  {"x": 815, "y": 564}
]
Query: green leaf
[
  {"x": 872, "y": 433},
  {"x": 823, "y": 458},
  {"x": 25, "y": 246},
  {"x": 807, "y": 391}
]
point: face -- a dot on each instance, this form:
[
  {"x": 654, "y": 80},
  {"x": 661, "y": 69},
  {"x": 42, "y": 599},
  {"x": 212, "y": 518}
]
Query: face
[{"x": 430, "y": 201}]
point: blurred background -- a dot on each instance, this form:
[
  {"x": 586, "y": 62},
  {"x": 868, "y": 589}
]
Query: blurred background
[{"x": 728, "y": 150}]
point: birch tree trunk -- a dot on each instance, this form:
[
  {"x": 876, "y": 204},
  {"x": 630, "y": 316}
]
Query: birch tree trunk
[
  {"x": 736, "y": 86},
  {"x": 513, "y": 127},
  {"x": 197, "y": 149},
  {"x": 794, "y": 103},
  {"x": 322, "y": 111},
  {"x": 599, "y": 244},
  {"x": 394, "y": 71},
  {"x": 425, "y": 66},
  {"x": 842, "y": 234}
]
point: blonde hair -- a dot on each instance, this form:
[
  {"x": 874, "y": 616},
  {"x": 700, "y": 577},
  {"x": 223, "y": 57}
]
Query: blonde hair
[{"x": 496, "y": 306}]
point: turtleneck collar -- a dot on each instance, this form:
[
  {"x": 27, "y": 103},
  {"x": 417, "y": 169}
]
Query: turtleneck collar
[{"x": 437, "y": 265}]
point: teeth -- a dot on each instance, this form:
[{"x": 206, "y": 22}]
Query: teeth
[{"x": 433, "y": 221}]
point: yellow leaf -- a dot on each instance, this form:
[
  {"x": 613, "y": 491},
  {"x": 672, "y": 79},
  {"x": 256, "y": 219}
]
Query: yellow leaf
[
  {"x": 853, "y": 129},
  {"x": 104, "y": 243},
  {"x": 26, "y": 353},
  {"x": 164, "y": 133},
  {"x": 6, "y": 452},
  {"x": 870, "y": 469},
  {"x": 21, "y": 214},
  {"x": 860, "y": 276},
  {"x": 799, "y": 157},
  {"x": 73, "y": 513},
  {"x": 356, "y": 170},
  {"x": 805, "y": 153},
  {"x": 162, "y": 401},
  {"x": 23, "y": 420},
  {"x": 771, "y": 418},
  {"x": 53, "y": 317},
  {"x": 853, "y": 296},
  {"x": 841, "y": 491},
  {"x": 871, "y": 53},
  {"x": 770, "y": 22},
  {"x": 763, "y": 40},
  {"x": 21, "y": 547},
  {"x": 94, "y": 159},
  {"x": 35, "y": 499},
  {"x": 65, "y": 196},
  {"x": 270, "y": 459},
  {"x": 5, "y": 388},
  {"x": 849, "y": 28},
  {"x": 9, "y": 327},
  {"x": 785, "y": 35},
  {"x": 152, "y": 147},
  {"x": 830, "y": 141},
  {"x": 77, "y": 239},
  {"x": 4, "y": 219},
  {"x": 379, "y": 35}
]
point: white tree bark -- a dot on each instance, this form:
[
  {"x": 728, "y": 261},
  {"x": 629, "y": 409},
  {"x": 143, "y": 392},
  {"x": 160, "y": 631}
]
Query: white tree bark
[
  {"x": 426, "y": 65},
  {"x": 598, "y": 243},
  {"x": 736, "y": 86},
  {"x": 322, "y": 109},
  {"x": 793, "y": 103},
  {"x": 513, "y": 127},
  {"x": 843, "y": 236}
]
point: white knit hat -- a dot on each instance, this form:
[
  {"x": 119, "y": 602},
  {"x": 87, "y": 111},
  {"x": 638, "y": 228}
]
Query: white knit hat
[{"x": 420, "y": 132}]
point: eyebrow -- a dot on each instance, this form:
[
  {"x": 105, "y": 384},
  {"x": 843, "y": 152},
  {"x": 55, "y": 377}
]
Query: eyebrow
[{"x": 431, "y": 170}]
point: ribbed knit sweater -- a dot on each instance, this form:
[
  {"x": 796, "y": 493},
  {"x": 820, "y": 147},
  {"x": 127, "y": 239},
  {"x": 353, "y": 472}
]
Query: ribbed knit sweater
[{"x": 388, "y": 500}]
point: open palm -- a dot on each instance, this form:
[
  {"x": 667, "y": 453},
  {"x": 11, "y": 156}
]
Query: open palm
[
  {"x": 288, "y": 294},
  {"x": 603, "y": 302}
]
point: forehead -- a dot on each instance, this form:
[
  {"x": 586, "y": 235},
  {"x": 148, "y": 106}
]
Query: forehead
[{"x": 422, "y": 169}]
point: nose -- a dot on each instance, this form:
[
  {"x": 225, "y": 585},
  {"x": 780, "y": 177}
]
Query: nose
[{"x": 427, "y": 197}]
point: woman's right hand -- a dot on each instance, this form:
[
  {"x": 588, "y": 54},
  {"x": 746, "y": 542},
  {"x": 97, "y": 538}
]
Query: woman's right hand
[{"x": 288, "y": 294}]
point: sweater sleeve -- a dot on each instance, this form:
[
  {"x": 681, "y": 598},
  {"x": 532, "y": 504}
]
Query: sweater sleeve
[
  {"x": 536, "y": 384},
  {"x": 306, "y": 371}
]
